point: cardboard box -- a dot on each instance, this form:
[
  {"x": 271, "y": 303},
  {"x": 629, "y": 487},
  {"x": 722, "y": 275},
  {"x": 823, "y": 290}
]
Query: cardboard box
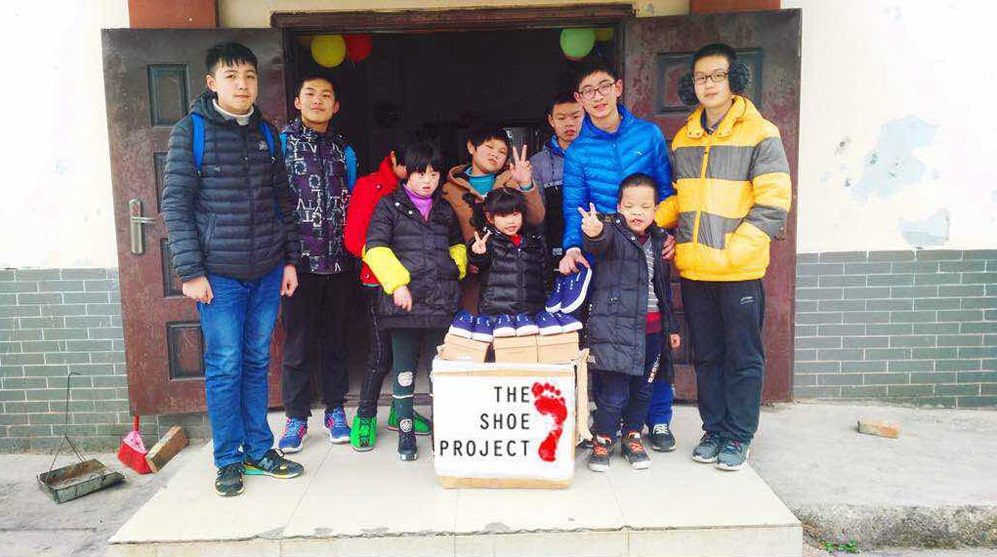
[
  {"x": 516, "y": 350},
  {"x": 498, "y": 425},
  {"x": 557, "y": 349},
  {"x": 460, "y": 349}
]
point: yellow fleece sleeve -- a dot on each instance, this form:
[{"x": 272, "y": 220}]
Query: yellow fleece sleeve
[
  {"x": 387, "y": 268},
  {"x": 458, "y": 252},
  {"x": 667, "y": 214}
]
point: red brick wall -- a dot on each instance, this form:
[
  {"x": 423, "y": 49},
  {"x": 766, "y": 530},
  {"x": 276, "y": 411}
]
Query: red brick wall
[{"x": 157, "y": 14}]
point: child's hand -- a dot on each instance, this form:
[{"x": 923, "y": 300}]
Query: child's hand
[
  {"x": 480, "y": 246},
  {"x": 522, "y": 170},
  {"x": 198, "y": 290},
  {"x": 290, "y": 281},
  {"x": 591, "y": 225},
  {"x": 403, "y": 298},
  {"x": 668, "y": 250},
  {"x": 675, "y": 340}
]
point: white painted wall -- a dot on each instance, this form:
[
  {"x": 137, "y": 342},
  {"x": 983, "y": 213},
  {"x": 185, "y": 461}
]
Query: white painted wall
[
  {"x": 871, "y": 62},
  {"x": 866, "y": 63},
  {"x": 55, "y": 194}
]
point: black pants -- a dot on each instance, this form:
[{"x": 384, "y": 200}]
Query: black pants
[
  {"x": 406, "y": 346},
  {"x": 378, "y": 356},
  {"x": 725, "y": 329},
  {"x": 315, "y": 344}
]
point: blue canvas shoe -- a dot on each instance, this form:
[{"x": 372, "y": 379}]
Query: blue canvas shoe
[
  {"x": 482, "y": 329},
  {"x": 463, "y": 324},
  {"x": 574, "y": 289},
  {"x": 504, "y": 327},
  {"x": 553, "y": 304},
  {"x": 568, "y": 323},
  {"x": 548, "y": 324},
  {"x": 525, "y": 325}
]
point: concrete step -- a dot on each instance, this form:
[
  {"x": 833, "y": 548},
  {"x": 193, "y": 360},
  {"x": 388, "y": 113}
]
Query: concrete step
[{"x": 350, "y": 503}]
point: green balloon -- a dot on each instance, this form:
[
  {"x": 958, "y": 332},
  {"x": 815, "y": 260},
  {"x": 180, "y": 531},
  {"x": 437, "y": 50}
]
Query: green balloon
[{"x": 577, "y": 43}]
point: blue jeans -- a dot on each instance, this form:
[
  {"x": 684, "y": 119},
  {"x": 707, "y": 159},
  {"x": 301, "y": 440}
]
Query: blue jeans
[
  {"x": 625, "y": 397},
  {"x": 238, "y": 325}
]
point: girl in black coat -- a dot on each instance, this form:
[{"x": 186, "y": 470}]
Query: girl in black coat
[
  {"x": 415, "y": 249},
  {"x": 629, "y": 316},
  {"x": 511, "y": 260}
]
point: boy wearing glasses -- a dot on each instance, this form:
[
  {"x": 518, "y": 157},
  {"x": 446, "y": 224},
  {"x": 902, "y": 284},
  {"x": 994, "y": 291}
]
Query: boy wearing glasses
[
  {"x": 612, "y": 145},
  {"x": 723, "y": 245}
]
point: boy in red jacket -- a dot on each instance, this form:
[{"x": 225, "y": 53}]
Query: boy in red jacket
[{"x": 367, "y": 192}]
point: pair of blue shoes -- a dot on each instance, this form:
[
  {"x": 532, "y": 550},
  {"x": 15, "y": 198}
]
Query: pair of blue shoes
[
  {"x": 544, "y": 323},
  {"x": 569, "y": 291},
  {"x": 484, "y": 329}
]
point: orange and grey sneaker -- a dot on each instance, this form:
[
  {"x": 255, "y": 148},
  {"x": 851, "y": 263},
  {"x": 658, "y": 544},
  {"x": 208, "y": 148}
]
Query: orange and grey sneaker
[
  {"x": 633, "y": 450},
  {"x": 602, "y": 450},
  {"x": 273, "y": 464}
]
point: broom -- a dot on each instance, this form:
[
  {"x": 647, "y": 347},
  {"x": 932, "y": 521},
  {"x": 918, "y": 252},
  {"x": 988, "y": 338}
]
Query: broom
[{"x": 132, "y": 452}]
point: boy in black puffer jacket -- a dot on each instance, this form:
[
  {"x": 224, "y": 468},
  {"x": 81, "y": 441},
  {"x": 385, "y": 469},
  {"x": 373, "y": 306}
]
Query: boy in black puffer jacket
[
  {"x": 630, "y": 313},
  {"x": 511, "y": 260}
]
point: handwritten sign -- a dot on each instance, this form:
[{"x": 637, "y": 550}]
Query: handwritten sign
[{"x": 504, "y": 421}]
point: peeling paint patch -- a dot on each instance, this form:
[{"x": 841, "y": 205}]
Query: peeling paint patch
[
  {"x": 932, "y": 231},
  {"x": 892, "y": 164}
]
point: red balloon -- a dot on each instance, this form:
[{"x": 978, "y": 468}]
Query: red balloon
[{"x": 358, "y": 47}]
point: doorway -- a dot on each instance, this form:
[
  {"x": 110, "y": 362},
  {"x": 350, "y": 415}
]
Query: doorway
[{"x": 151, "y": 74}]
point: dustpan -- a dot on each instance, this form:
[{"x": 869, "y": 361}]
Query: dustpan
[{"x": 76, "y": 480}]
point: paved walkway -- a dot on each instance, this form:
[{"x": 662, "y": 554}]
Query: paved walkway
[{"x": 842, "y": 484}]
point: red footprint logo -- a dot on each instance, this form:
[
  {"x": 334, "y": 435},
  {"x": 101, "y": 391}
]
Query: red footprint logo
[{"x": 549, "y": 402}]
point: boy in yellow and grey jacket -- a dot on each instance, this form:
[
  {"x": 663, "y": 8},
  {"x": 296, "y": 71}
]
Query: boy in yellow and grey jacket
[{"x": 734, "y": 193}]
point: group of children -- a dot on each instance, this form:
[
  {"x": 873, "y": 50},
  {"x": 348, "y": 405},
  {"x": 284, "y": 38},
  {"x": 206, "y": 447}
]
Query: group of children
[{"x": 474, "y": 248}]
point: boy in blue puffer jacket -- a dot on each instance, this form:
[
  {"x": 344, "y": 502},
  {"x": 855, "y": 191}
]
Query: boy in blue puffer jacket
[{"x": 612, "y": 145}]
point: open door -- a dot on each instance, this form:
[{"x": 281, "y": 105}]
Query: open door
[
  {"x": 657, "y": 52},
  {"x": 150, "y": 78}
]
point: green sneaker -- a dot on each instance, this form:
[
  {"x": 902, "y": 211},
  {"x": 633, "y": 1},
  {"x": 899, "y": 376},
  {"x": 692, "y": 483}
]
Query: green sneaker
[
  {"x": 423, "y": 425},
  {"x": 363, "y": 434},
  {"x": 273, "y": 464}
]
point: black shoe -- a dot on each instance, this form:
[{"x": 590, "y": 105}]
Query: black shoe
[
  {"x": 228, "y": 482},
  {"x": 633, "y": 450},
  {"x": 273, "y": 464},
  {"x": 407, "y": 449},
  {"x": 602, "y": 450},
  {"x": 661, "y": 438}
]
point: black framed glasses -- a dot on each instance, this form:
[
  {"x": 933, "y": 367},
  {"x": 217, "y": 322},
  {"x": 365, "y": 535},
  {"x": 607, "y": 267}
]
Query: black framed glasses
[
  {"x": 603, "y": 89},
  {"x": 716, "y": 77}
]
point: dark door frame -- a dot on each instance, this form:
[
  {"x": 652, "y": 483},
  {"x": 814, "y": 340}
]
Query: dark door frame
[{"x": 453, "y": 20}]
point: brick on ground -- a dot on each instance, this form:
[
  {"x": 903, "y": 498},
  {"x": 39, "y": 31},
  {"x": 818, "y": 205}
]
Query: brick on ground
[{"x": 880, "y": 428}]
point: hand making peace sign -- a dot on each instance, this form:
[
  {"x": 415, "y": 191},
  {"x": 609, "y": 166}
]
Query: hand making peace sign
[
  {"x": 591, "y": 225},
  {"x": 479, "y": 246},
  {"x": 522, "y": 170}
]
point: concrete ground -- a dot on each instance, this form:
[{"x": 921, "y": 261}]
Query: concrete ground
[
  {"x": 933, "y": 487},
  {"x": 32, "y": 525}
]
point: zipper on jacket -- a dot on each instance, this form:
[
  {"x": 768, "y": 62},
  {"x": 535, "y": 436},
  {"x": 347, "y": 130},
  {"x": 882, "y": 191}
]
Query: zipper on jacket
[
  {"x": 252, "y": 197},
  {"x": 702, "y": 180}
]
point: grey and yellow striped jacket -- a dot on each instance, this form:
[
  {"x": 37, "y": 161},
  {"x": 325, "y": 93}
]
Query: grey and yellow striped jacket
[{"x": 733, "y": 196}]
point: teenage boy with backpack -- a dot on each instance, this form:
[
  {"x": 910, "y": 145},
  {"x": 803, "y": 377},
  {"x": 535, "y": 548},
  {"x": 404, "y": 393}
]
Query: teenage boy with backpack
[{"x": 234, "y": 246}]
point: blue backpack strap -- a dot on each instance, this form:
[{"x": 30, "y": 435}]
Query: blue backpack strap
[
  {"x": 268, "y": 135},
  {"x": 351, "y": 167},
  {"x": 283, "y": 144},
  {"x": 197, "y": 143}
]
